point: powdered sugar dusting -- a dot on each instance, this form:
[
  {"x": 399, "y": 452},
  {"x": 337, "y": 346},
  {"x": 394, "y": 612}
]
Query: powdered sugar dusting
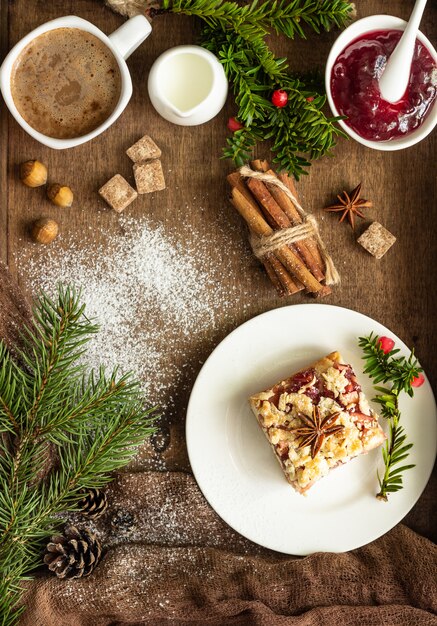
[
  {"x": 156, "y": 295},
  {"x": 157, "y": 507}
]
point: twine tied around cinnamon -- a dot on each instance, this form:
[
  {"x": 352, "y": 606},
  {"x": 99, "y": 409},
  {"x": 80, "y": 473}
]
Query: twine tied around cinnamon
[{"x": 263, "y": 246}]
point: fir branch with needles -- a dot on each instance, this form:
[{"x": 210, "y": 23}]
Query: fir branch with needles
[
  {"x": 235, "y": 32},
  {"x": 252, "y": 18},
  {"x": 398, "y": 373},
  {"x": 51, "y": 407}
]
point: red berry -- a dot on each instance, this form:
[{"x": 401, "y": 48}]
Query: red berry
[
  {"x": 418, "y": 381},
  {"x": 279, "y": 98},
  {"x": 234, "y": 124},
  {"x": 310, "y": 98},
  {"x": 386, "y": 344}
]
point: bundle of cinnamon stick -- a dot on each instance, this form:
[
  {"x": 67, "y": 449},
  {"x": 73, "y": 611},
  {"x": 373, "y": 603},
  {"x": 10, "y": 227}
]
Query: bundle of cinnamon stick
[{"x": 267, "y": 208}]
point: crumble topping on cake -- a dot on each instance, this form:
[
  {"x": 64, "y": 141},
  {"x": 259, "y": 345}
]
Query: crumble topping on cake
[
  {"x": 336, "y": 381},
  {"x": 316, "y": 420}
]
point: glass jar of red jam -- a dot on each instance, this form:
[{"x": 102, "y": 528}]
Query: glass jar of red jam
[{"x": 355, "y": 87}]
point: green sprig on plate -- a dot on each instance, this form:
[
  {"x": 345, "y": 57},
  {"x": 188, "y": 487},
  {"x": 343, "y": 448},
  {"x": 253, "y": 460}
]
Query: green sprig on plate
[{"x": 401, "y": 374}]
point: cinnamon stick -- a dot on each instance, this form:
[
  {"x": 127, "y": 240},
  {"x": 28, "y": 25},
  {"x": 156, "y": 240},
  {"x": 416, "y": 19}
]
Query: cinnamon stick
[
  {"x": 260, "y": 164},
  {"x": 272, "y": 210},
  {"x": 236, "y": 180},
  {"x": 288, "y": 209},
  {"x": 289, "y": 285},
  {"x": 274, "y": 278},
  {"x": 278, "y": 274},
  {"x": 266, "y": 200},
  {"x": 255, "y": 220},
  {"x": 310, "y": 243},
  {"x": 286, "y": 256},
  {"x": 284, "y": 201}
]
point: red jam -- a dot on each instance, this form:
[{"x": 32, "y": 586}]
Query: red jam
[{"x": 355, "y": 90}]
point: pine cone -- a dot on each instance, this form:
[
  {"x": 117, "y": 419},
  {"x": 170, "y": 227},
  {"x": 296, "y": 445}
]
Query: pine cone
[
  {"x": 74, "y": 554},
  {"x": 93, "y": 504},
  {"x": 122, "y": 520}
]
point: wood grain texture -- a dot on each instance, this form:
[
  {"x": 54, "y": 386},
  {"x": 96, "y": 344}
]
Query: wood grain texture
[
  {"x": 399, "y": 290},
  {"x": 4, "y": 128},
  {"x": 14, "y": 310}
]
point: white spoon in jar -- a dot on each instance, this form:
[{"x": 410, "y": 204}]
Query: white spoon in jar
[{"x": 394, "y": 80}]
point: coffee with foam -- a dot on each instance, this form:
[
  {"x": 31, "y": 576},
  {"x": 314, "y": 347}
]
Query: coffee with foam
[{"x": 66, "y": 83}]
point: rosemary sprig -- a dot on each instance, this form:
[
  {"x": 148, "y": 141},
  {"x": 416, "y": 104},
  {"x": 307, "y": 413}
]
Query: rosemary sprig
[{"x": 399, "y": 372}]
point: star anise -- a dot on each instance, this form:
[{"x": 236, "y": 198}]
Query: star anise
[
  {"x": 351, "y": 205},
  {"x": 316, "y": 430}
]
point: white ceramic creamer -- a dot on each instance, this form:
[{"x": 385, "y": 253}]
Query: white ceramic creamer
[{"x": 187, "y": 85}]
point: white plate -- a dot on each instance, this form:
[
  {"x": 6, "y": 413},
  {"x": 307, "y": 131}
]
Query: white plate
[{"x": 234, "y": 465}]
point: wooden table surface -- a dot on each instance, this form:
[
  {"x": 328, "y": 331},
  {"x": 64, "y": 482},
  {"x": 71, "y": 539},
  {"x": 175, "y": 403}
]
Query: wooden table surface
[{"x": 398, "y": 290}]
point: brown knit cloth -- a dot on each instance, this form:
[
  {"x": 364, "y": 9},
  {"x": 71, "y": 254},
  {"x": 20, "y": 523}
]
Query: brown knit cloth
[
  {"x": 180, "y": 564},
  {"x": 176, "y": 562}
]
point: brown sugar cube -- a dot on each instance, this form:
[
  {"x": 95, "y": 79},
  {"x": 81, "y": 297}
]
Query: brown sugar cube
[
  {"x": 149, "y": 176},
  {"x": 376, "y": 240},
  {"x": 144, "y": 149},
  {"x": 118, "y": 193}
]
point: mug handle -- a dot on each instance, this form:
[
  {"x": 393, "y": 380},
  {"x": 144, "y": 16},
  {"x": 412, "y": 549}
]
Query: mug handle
[{"x": 130, "y": 35}]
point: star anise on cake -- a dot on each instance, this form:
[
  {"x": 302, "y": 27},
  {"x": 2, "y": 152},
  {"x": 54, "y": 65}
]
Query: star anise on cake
[
  {"x": 316, "y": 429},
  {"x": 351, "y": 205}
]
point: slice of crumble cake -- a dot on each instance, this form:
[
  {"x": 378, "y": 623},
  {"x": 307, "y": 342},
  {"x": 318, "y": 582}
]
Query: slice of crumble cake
[{"x": 317, "y": 419}]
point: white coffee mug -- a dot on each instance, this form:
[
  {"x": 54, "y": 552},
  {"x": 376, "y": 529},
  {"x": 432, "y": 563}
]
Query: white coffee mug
[{"x": 121, "y": 42}]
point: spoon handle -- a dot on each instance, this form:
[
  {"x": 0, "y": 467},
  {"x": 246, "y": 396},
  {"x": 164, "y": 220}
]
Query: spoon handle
[{"x": 394, "y": 80}]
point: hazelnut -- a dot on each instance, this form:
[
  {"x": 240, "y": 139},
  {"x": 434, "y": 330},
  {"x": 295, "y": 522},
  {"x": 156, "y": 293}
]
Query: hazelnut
[
  {"x": 61, "y": 195},
  {"x": 33, "y": 173},
  {"x": 44, "y": 230}
]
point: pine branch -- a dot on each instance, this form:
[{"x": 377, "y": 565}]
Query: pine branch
[
  {"x": 240, "y": 146},
  {"x": 287, "y": 17},
  {"x": 400, "y": 372},
  {"x": 62, "y": 331},
  {"x": 9, "y": 400},
  {"x": 254, "y": 18},
  {"x": 248, "y": 65},
  {"x": 300, "y": 131},
  {"x": 235, "y": 33},
  {"x": 93, "y": 423}
]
